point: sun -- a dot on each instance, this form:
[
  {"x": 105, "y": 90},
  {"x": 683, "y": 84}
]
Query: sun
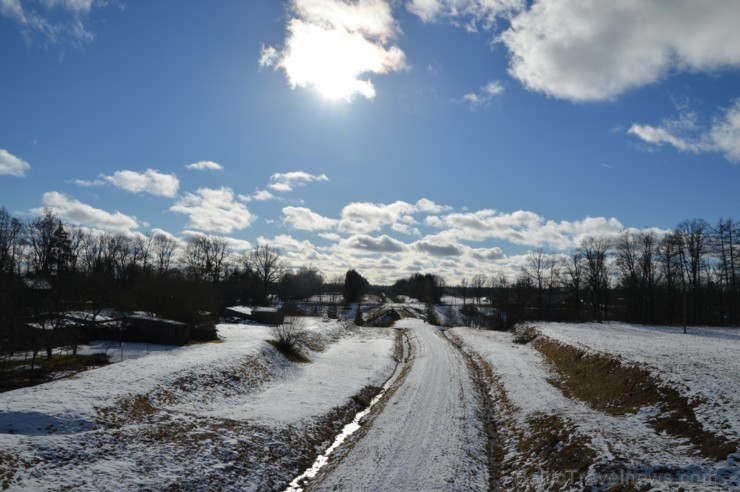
[{"x": 332, "y": 60}]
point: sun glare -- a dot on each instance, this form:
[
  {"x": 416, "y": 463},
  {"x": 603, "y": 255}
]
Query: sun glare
[{"x": 333, "y": 60}]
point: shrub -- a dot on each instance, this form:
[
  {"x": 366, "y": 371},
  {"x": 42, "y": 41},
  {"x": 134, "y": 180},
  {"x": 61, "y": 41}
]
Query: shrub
[
  {"x": 524, "y": 334},
  {"x": 289, "y": 335}
]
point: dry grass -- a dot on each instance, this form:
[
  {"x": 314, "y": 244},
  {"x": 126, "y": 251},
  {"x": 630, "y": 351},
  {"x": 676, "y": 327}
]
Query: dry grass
[
  {"x": 278, "y": 454},
  {"x": 607, "y": 384},
  {"x": 524, "y": 449},
  {"x": 553, "y": 443},
  {"x": 523, "y": 334}
]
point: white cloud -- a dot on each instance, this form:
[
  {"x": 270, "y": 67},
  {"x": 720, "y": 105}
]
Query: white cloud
[
  {"x": 725, "y": 133},
  {"x": 483, "y": 97},
  {"x": 234, "y": 244},
  {"x": 426, "y": 205},
  {"x": 592, "y": 50},
  {"x": 53, "y": 20},
  {"x": 659, "y": 136},
  {"x": 469, "y": 14},
  {"x": 332, "y": 44},
  {"x": 87, "y": 183},
  {"x": 289, "y": 181},
  {"x": 368, "y": 244},
  {"x": 150, "y": 181},
  {"x": 683, "y": 133},
  {"x": 11, "y": 165},
  {"x": 330, "y": 236},
  {"x": 437, "y": 248},
  {"x": 306, "y": 220},
  {"x": 406, "y": 229},
  {"x": 79, "y": 213},
  {"x": 258, "y": 196},
  {"x": 365, "y": 217},
  {"x": 214, "y": 210},
  {"x": 204, "y": 165},
  {"x": 524, "y": 228}
]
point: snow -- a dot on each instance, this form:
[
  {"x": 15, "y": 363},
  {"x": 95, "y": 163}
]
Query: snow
[
  {"x": 621, "y": 442},
  {"x": 237, "y": 415},
  {"x": 703, "y": 364},
  {"x": 228, "y": 412},
  {"x": 427, "y": 436}
]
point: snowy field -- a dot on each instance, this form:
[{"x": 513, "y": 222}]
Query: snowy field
[
  {"x": 703, "y": 364},
  {"x": 623, "y": 447},
  {"x": 233, "y": 412}
]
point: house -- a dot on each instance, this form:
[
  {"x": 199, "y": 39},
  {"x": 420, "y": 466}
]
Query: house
[
  {"x": 262, "y": 315},
  {"x": 140, "y": 327}
]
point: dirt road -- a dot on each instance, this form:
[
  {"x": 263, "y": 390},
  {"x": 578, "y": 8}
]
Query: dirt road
[{"x": 427, "y": 436}]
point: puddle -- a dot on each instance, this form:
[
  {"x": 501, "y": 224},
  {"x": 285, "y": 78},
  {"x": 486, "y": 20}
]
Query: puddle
[{"x": 299, "y": 482}]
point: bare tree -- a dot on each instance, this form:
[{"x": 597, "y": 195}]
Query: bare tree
[
  {"x": 11, "y": 237},
  {"x": 204, "y": 258},
  {"x": 163, "y": 249},
  {"x": 265, "y": 263},
  {"x": 694, "y": 235},
  {"x": 49, "y": 244},
  {"x": 595, "y": 251},
  {"x": 478, "y": 282},
  {"x": 573, "y": 274},
  {"x": 540, "y": 267},
  {"x": 724, "y": 245}
]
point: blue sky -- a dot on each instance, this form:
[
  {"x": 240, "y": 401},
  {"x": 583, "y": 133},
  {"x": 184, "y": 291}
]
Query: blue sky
[{"x": 449, "y": 136}]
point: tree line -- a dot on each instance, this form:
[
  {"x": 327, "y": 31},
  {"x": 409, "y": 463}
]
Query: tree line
[
  {"x": 687, "y": 276},
  {"x": 47, "y": 266}
]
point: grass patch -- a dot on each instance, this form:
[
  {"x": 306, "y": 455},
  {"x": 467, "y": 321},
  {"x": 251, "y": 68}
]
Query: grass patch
[
  {"x": 200, "y": 342},
  {"x": 608, "y": 385},
  {"x": 17, "y": 375}
]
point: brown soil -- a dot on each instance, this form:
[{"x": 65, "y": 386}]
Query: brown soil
[{"x": 610, "y": 385}]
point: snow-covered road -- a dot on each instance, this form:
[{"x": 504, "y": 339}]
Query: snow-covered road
[{"x": 427, "y": 435}]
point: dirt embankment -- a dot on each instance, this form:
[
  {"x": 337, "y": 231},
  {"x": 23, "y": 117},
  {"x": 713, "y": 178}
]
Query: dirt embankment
[{"x": 610, "y": 385}]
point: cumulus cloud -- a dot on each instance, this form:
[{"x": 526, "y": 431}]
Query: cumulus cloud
[
  {"x": 289, "y": 181},
  {"x": 150, "y": 181},
  {"x": 436, "y": 248},
  {"x": 426, "y": 205},
  {"x": 369, "y": 244},
  {"x": 78, "y": 213},
  {"x": 591, "y": 50},
  {"x": 483, "y": 97},
  {"x": 52, "y": 20},
  {"x": 683, "y": 133},
  {"x": 205, "y": 165},
  {"x": 11, "y": 165},
  {"x": 214, "y": 210},
  {"x": 306, "y": 220},
  {"x": 333, "y": 45},
  {"x": 258, "y": 196},
  {"x": 524, "y": 228},
  {"x": 725, "y": 133},
  {"x": 406, "y": 229},
  {"x": 365, "y": 217}
]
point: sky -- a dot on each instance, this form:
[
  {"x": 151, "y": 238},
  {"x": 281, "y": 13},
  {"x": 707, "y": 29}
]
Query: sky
[{"x": 389, "y": 136}]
